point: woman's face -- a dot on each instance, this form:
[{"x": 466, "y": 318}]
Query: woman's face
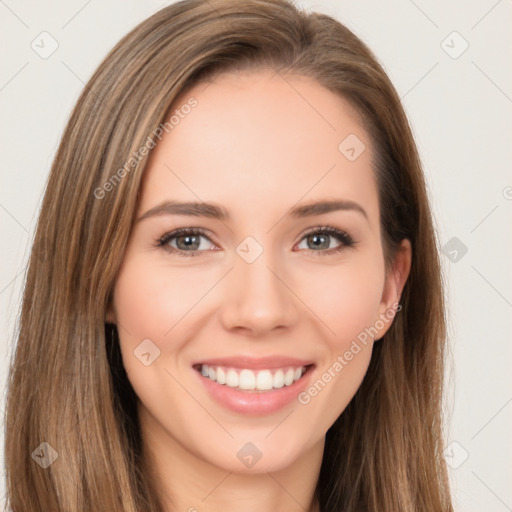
[{"x": 275, "y": 289}]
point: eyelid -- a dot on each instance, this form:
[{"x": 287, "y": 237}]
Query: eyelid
[
  {"x": 346, "y": 240},
  {"x": 163, "y": 241}
]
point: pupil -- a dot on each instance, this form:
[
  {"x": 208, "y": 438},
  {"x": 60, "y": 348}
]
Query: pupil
[
  {"x": 190, "y": 241},
  {"x": 316, "y": 238}
]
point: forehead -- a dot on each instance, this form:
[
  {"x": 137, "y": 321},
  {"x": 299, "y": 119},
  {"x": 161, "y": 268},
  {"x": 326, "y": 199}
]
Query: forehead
[{"x": 261, "y": 141}]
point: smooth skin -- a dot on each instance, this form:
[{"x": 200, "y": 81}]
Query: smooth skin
[{"x": 257, "y": 144}]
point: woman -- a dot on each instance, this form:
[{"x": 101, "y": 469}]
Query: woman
[{"x": 241, "y": 302}]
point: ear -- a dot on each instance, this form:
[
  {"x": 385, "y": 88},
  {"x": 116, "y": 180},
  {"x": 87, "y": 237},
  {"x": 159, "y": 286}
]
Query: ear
[{"x": 395, "y": 281}]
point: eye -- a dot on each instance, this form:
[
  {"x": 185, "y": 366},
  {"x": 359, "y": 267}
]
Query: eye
[
  {"x": 320, "y": 240},
  {"x": 185, "y": 240},
  {"x": 189, "y": 241}
]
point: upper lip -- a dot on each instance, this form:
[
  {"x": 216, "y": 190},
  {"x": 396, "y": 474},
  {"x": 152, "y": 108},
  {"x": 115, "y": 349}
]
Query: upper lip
[{"x": 253, "y": 363}]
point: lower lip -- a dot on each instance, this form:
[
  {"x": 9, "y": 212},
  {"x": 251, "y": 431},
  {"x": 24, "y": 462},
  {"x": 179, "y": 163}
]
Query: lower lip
[{"x": 254, "y": 402}]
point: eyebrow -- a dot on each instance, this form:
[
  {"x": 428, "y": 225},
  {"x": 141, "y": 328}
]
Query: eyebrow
[{"x": 213, "y": 211}]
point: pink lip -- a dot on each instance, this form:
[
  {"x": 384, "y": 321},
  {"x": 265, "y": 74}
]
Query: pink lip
[
  {"x": 253, "y": 363},
  {"x": 254, "y": 403}
]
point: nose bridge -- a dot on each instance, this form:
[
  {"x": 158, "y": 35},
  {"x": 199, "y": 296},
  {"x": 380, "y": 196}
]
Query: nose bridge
[{"x": 257, "y": 298}]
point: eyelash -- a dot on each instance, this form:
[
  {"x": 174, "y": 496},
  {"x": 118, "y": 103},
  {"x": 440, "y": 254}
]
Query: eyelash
[{"x": 343, "y": 237}]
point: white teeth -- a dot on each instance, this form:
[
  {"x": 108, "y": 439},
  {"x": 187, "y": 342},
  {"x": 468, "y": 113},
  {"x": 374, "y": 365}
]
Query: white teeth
[
  {"x": 279, "y": 379},
  {"x": 289, "y": 377},
  {"x": 262, "y": 380},
  {"x": 247, "y": 380},
  {"x": 221, "y": 376},
  {"x": 232, "y": 379}
]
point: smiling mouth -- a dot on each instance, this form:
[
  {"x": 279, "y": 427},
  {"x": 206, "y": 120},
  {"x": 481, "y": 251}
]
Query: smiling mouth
[{"x": 256, "y": 381}]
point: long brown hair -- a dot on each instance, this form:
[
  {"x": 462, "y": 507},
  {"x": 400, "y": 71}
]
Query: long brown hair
[{"x": 67, "y": 385}]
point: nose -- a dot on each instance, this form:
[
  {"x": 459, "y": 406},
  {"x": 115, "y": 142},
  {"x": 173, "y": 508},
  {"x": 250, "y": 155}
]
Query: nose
[{"x": 258, "y": 298}]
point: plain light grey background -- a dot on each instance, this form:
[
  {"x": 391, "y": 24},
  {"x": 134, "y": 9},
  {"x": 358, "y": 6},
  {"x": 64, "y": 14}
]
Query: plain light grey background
[{"x": 450, "y": 63}]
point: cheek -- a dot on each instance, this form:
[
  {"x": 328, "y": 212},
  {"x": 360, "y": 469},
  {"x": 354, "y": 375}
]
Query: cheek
[
  {"x": 347, "y": 303},
  {"x": 345, "y": 298},
  {"x": 151, "y": 299},
  {"x": 156, "y": 302},
  {"x": 151, "y": 302}
]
